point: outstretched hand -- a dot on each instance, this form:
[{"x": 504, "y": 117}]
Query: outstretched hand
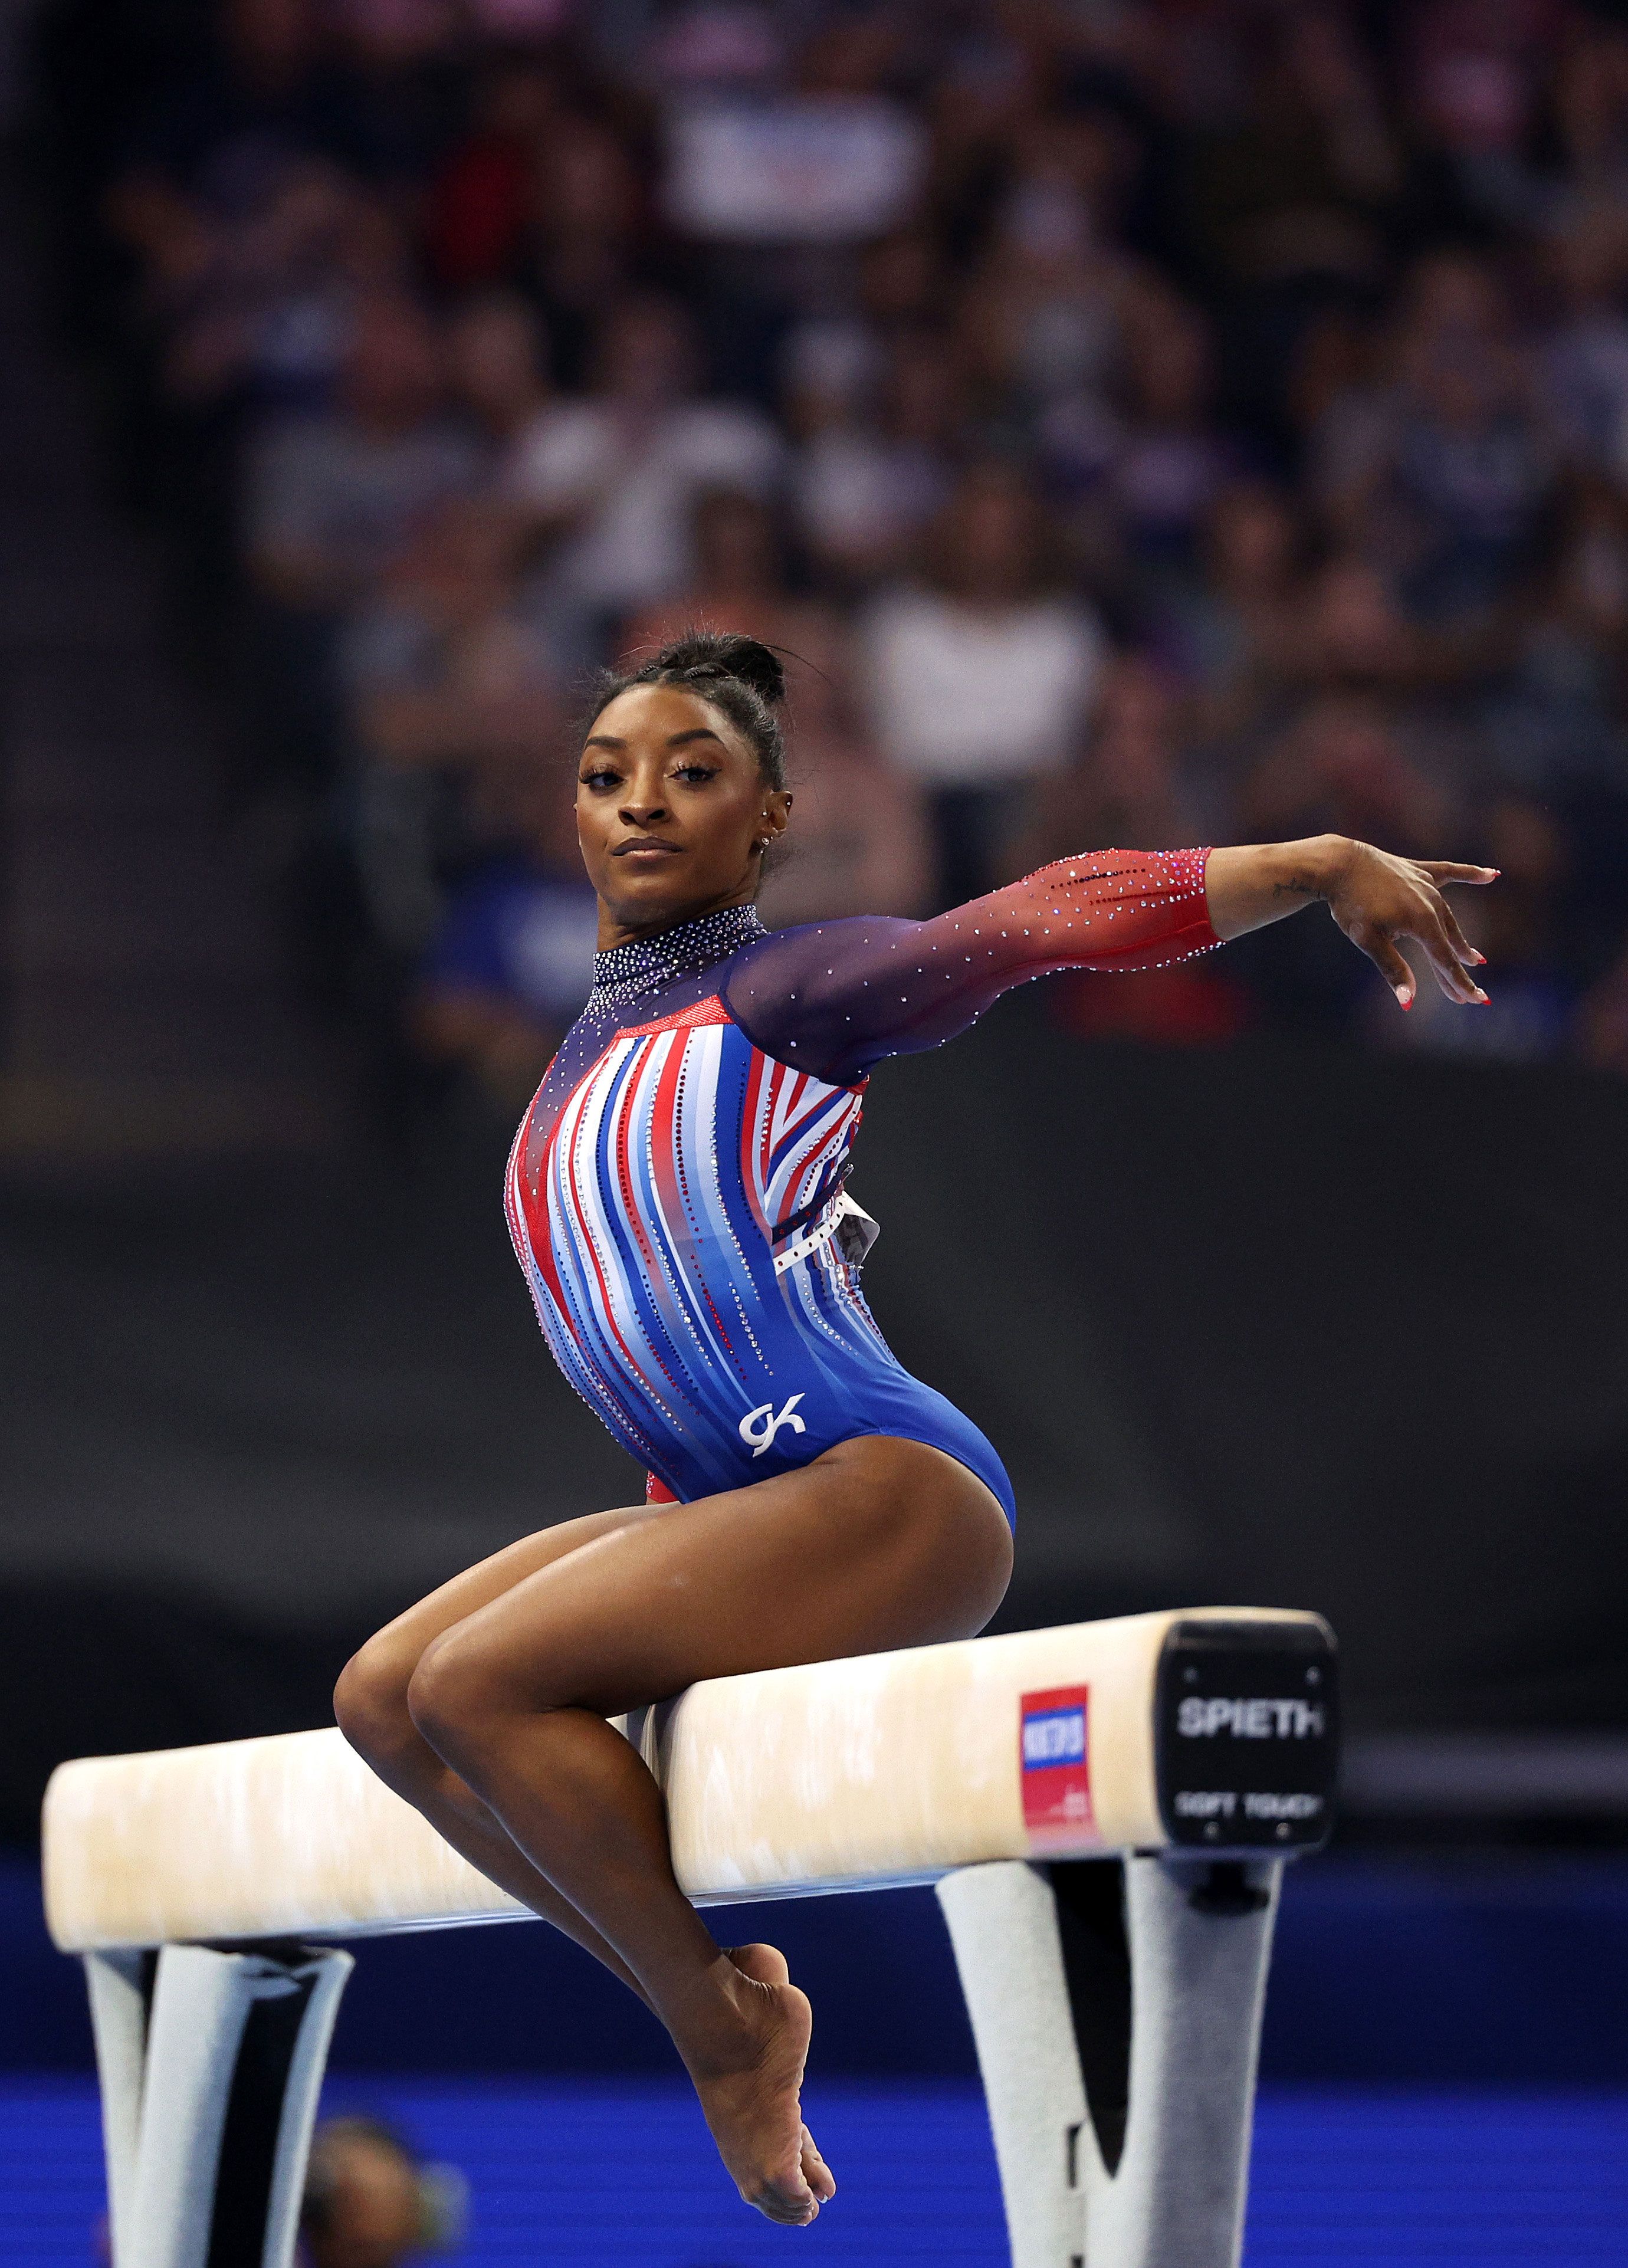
[{"x": 1376, "y": 898}]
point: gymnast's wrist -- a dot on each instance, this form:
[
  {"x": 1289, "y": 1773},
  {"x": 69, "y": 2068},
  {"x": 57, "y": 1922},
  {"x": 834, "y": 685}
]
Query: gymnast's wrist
[{"x": 1314, "y": 867}]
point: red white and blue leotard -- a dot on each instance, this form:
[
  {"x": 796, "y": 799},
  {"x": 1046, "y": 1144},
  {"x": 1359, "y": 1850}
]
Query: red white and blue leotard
[{"x": 675, "y": 1190}]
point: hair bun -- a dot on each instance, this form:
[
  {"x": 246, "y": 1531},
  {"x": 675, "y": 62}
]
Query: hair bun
[{"x": 726, "y": 653}]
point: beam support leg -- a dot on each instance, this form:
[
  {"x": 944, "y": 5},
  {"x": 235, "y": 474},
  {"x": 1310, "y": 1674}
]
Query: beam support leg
[
  {"x": 210, "y": 2062},
  {"x": 1116, "y": 2011},
  {"x": 120, "y": 1990}
]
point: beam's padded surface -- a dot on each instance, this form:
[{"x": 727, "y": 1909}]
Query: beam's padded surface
[{"x": 888, "y": 1768}]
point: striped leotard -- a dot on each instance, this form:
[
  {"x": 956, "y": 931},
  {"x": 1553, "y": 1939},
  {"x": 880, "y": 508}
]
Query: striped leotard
[{"x": 675, "y": 1191}]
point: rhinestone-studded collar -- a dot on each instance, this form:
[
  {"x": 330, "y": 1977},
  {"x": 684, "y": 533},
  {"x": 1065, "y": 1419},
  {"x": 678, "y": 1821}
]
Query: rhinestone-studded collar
[{"x": 628, "y": 971}]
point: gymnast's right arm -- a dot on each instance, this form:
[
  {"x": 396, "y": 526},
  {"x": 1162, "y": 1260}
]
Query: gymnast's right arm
[{"x": 834, "y": 997}]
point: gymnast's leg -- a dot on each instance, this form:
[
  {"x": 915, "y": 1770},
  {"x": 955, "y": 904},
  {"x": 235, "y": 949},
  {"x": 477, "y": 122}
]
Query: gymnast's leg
[
  {"x": 370, "y": 1705},
  {"x": 876, "y": 1545}
]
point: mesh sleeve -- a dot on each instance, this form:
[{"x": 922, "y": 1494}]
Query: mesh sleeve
[{"x": 833, "y": 997}]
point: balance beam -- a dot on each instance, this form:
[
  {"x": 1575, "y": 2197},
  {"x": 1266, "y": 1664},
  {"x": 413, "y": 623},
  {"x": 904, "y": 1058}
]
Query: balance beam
[{"x": 1116, "y": 2006}]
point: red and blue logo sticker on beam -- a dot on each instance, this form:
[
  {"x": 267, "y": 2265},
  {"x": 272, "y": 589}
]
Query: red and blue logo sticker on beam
[{"x": 1054, "y": 1761}]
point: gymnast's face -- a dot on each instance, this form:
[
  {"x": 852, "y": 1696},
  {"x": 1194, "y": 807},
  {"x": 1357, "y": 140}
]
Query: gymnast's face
[{"x": 673, "y": 811}]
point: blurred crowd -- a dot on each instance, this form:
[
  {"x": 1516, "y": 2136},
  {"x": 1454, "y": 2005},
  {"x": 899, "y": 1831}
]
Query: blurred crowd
[{"x": 1144, "y": 421}]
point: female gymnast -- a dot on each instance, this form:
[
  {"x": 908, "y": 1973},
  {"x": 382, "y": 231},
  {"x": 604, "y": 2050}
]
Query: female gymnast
[{"x": 675, "y": 1194}]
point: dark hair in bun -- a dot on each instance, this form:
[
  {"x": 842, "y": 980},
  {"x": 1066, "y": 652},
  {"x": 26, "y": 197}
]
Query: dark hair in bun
[{"x": 739, "y": 675}]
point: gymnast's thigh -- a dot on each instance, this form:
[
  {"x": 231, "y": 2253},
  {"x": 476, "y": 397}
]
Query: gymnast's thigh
[
  {"x": 876, "y": 1543},
  {"x": 403, "y": 1640}
]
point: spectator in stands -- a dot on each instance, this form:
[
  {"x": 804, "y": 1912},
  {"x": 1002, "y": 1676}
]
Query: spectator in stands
[
  {"x": 612, "y": 480},
  {"x": 1043, "y": 321},
  {"x": 263, "y": 315},
  {"x": 902, "y": 282},
  {"x": 1446, "y": 478},
  {"x": 860, "y": 844},
  {"x": 246, "y": 309},
  {"x": 1340, "y": 768},
  {"x": 980, "y": 677},
  {"x": 447, "y": 677},
  {"x": 257, "y": 90},
  {"x": 1125, "y": 786},
  {"x": 1585, "y": 352},
  {"x": 1228, "y": 637},
  {"x": 739, "y": 585},
  {"x": 497, "y": 367},
  {"x": 403, "y": 84},
  {"x": 477, "y": 203},
  {"x": 864, "y": 488},
  {"x": 511, "y": 959},
  {"x": 1473, "y": 76},
  {"x": 1553, "y": 713},
  {"x": 370, "y": 2204},
  {"x": 1454, "y": 300},
  {"x": 588, "y": 227},
  {"x": 1348, "y": 630},
  {"x": 1292, "y": 198},
  {"x": 331, "y": 498},
  {"x": 1171, "y": 461},
  {"x": 1589, "y": 94}
]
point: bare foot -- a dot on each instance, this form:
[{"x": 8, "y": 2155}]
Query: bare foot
[
  {"x": 751, "y": 2102},
  {"x": 766, "y": 1964}
]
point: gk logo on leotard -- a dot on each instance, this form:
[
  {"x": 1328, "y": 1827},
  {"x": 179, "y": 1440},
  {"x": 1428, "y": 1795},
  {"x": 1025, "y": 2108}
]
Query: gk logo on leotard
[{"x": 759, "y": 1426}]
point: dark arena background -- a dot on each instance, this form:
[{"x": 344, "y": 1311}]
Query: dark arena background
[{"x": 1147, "y": 422}]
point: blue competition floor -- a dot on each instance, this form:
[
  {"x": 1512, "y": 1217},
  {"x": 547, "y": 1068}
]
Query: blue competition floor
[{"x": 601, "y": 2175}]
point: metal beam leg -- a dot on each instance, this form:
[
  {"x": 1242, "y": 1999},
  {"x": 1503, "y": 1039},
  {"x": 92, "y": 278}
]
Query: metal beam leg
[
  {"x": 1116, "y": 2011},
  {"x": 210, "y": 2065},
  {"x": 120, "y": 1988}
]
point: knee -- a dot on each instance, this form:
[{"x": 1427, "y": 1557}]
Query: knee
[
  {"x": 452, "y": 1691},
  {"x": 371, "y": 1704}
]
